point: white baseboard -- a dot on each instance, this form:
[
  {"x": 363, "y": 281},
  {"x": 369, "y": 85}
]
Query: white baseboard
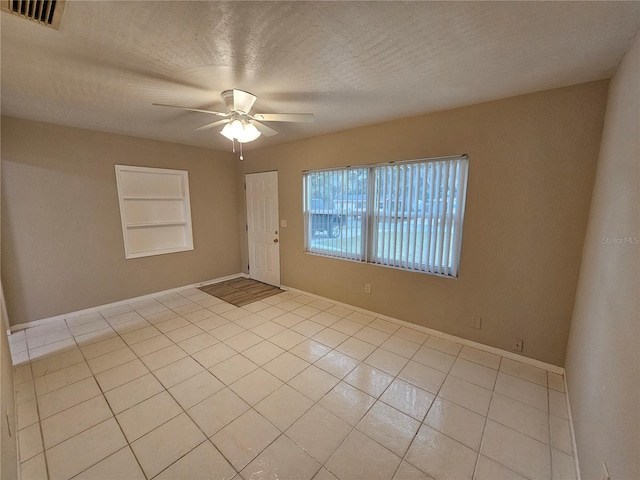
[
  {"x": 571, "y": 429},
  {"x": 44, "y": 321},
  {"x": 436, "y": 333}
]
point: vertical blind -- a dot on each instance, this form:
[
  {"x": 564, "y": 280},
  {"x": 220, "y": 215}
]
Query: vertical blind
[{"x": 406, "y": 215}]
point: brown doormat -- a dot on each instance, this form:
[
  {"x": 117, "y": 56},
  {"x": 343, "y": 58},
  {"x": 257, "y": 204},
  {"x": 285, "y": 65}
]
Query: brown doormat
[{"x": 241, "y": 291}]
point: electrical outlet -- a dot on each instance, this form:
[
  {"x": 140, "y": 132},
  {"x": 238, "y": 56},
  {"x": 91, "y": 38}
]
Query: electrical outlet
[
  {"x": 517, "y": 344},
  {"x": 367, "y": 288},
  {"x": 283, "y": 223},
  {"x": 476, "y": 322}
]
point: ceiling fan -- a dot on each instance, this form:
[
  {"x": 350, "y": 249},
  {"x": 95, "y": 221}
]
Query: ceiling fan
[{"x": 239, "y": 123}]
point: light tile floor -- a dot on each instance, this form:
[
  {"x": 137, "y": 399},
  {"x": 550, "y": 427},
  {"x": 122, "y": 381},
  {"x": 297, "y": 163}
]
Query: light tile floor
[{"x": 186, "y": 386}]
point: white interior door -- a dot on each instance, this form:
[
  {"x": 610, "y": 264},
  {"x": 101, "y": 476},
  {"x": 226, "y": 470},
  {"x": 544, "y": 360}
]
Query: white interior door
[{"x": 262, "y": 226}]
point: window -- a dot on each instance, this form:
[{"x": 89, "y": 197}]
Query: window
[
  {"x": 155, "y": 210},
  {"x": 404, "y": 214}
]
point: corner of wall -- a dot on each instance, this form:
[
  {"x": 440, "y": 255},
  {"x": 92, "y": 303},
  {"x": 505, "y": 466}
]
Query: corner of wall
[
  {"x": 602, "y": 352},
  {"x": 8, "y": 417}
]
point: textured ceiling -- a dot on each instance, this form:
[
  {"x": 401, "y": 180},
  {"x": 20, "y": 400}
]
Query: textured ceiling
[{"x": 349, "y": 63}]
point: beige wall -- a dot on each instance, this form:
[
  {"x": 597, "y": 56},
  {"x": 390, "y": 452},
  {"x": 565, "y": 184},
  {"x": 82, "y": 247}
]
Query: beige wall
[
  {"x": 532, "y": 166},
  {"x": 62, "y": 246},
  {"x": 603, "y": 359}
]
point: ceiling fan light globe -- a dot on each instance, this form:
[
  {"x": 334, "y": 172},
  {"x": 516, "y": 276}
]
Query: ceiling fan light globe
[
  {"x": 227, "y": 132},
  {"x": 236, "y": 128},
  {"x": 249, "y": 134}
]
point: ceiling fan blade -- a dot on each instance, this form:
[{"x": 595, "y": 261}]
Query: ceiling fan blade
[
  {"x": 220, "y": 114},
  {"x": 264, "y": 130},
  {"x": 211, "y": 125},
  {"x": 285, "y": 117},
  {"x": 243, "y": 101}
]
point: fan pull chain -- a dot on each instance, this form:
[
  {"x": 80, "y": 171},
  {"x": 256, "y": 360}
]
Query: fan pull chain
[
  {"x": 234, "y": 145},
  {"x": 241, "y": 157}
]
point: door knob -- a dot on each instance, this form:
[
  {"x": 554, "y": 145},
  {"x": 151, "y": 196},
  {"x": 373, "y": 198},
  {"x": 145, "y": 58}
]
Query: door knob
[{"x": 275, "y": 240}]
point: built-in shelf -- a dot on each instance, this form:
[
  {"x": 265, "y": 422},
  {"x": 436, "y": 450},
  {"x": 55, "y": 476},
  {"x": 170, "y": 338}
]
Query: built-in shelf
[
  {"x": 155, "y": 210},
  {"x": 155, "y": 199},
  {"x": 147, "y": 253}
]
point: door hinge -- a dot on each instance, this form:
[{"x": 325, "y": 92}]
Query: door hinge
[
  {"x": 245, "y": 185},
  {"x": 248, "y": 267},
  {"x": 246, "y": 227}
]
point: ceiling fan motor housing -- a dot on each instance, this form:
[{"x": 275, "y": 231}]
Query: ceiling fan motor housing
[{"x": 238, "y": 101}]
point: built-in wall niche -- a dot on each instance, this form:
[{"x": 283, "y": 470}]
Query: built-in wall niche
[{"x": 155, "y": 210}]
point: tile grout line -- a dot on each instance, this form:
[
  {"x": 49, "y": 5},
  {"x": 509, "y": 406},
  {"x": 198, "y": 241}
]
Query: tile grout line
[
  {"x": 40, "y": 419},
  {"x": 110, "y": 409},
  {"x": 377, "y": 399},
  {"x": 103, "y": 394},
  {"x": 152, "y": 372},
  {"x": 207, "y": 438},
  {"x": 252, "y": 407},
  {"x": 403, "y": 459},
  {"x": 165, "y": 390},
  {"x": 35, "y": 398},
  {"x": 484, "y": 427},
  {"x": 415, "y": 435},
  {"x": 352, "y": 428}
]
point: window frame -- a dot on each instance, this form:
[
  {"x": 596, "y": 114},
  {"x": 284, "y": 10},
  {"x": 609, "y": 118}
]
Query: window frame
[
  {"x": 127, "y": 201},
  {"x": 370, "y": 233}
]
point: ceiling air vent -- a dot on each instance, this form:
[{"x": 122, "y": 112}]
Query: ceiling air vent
[{"x": 45, "y": 12}]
